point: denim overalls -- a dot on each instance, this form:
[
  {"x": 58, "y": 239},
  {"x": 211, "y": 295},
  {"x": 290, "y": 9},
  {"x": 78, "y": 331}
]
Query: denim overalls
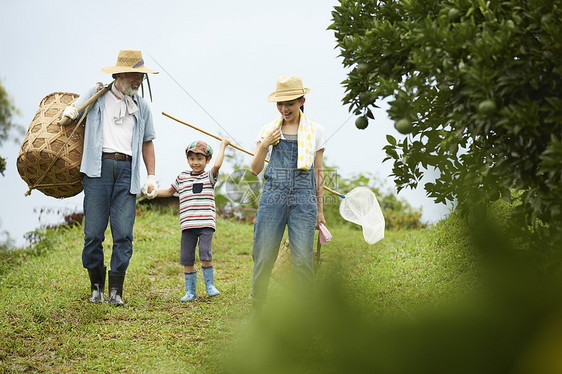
[{"x": 288, "y": 199}]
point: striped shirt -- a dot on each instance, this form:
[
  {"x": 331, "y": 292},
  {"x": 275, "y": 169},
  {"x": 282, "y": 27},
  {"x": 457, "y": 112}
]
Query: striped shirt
[{"x": 197, "y": 199}]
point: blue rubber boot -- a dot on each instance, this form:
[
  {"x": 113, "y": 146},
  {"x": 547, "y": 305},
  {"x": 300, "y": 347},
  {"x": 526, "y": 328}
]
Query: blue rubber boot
[
  {"x": 190, "y": 284},
  {"x": 210, "y": 281}
]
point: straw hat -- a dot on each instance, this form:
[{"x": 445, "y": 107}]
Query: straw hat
[
  {"x": 128, "y": 61},
  {"x": 287, "y": 89}
]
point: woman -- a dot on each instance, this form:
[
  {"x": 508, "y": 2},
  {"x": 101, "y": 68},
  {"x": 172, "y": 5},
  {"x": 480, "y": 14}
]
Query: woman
[{"x": 292, "y": 193}]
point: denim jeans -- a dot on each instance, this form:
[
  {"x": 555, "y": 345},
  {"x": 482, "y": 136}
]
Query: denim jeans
[
  {"x": 288, "y": 200},
  {"x": 107, "y": 199}
]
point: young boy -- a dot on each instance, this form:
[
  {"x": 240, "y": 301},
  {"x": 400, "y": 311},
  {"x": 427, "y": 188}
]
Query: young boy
[{"x": 197, "y": 213}]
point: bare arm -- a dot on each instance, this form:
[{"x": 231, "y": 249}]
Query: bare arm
[
  {"x": 220, "y": 157},
  {"x": 166, "y": 192},
  {"x": 148, "y": 157},
  {"x": 258, "y": 161},
  {"x": 319, "y": 175}
]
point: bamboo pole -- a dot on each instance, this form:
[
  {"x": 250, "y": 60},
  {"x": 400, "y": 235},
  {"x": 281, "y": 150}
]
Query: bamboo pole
[{"x": 232, "y": 145}]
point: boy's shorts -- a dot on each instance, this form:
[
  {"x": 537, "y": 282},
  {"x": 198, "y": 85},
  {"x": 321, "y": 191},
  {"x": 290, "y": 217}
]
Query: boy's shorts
[{"x": 189, "y": 238}]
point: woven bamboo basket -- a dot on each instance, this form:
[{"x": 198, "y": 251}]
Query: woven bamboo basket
[{"x": 50, "y": 156}]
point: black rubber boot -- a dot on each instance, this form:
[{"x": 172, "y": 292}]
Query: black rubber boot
[
  {"x": 116, "y": 279},
  {"x": 97, "y": 284}
]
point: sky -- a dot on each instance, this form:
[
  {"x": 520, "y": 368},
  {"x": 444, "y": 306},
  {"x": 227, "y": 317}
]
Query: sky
[{"x": 218, "y": 62}]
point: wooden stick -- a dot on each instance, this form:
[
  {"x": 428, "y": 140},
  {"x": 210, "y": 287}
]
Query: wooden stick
[
  {"x": 334, "y": 192},
  {"x": 317, "y": 258},
  {"x": 207, "y": 133},
  {"x": 238, "y": 148}
]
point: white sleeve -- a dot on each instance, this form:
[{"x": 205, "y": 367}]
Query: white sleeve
[
  {"x": 260, "y": 137},
  {"x": 320, "y": 137},
  {"x": 261, "y": 134}
]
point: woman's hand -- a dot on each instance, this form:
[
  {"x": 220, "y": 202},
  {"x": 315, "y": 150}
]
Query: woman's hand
[
  {"x": 272, "y": 138},
  {"x": 320, "y": 220}
]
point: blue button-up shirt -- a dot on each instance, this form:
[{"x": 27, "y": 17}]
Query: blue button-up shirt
[{"x": 143, "y": 131}]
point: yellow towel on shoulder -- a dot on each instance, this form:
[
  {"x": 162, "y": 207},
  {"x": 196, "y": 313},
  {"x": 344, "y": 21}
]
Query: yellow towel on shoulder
[{"x": 306, "y": 140}]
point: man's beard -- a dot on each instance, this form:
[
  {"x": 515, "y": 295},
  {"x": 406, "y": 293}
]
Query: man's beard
[{"x": 129, "y": 90}]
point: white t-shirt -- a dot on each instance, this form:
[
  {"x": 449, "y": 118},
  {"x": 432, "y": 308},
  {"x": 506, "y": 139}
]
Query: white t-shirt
[
  {"x": 319, "y": 141},
  {"x": 116, "y": 138}
]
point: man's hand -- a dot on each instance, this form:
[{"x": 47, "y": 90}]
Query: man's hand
[
  {"x": 70, "y": 112},
  {"x": 150, "y": 188}
]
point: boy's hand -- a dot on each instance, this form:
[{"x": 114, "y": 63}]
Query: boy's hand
[{"x": 225, "y": 142}]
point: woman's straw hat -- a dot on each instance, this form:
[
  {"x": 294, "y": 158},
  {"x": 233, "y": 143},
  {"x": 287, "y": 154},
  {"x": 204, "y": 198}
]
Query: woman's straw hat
[
  {"x": 128, "y": 61},
  {"x": 287, "y": 89}
]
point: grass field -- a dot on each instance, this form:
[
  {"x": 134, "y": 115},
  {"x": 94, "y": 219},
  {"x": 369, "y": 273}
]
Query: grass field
[{"x": 417, "y": 301}]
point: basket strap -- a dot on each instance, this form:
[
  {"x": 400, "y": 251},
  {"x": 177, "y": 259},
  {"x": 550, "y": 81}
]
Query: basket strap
[{"x": 37, "y": 184}]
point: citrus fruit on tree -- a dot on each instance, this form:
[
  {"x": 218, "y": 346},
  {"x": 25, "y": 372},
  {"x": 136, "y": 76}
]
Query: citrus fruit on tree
[
  {"x": 404, "y": 126},
  {"x": 487, "y": 107},
  {"x": 362, "y": 122}
]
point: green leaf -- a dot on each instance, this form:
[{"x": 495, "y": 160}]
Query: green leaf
[{"x": 391, "y": 139}]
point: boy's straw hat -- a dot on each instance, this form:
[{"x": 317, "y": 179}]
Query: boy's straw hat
[
  {"x": 128, "y": 61},
  {"x": 287, "y": 89}
]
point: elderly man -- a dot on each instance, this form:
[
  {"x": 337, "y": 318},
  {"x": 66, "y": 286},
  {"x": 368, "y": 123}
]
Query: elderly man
[{"x": 118, "y": 136}]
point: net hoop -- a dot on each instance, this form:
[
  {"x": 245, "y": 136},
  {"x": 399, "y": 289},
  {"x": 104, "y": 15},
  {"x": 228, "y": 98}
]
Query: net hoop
[{"x": 361, "y": 207}]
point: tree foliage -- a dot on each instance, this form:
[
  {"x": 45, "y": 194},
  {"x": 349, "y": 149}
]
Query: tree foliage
[
  {"x": 474, "y": 86},
  {"x": 7, "y": 111}
]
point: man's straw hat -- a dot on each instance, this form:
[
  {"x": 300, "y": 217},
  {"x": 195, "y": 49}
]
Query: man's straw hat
[
  {"x": 128, "y": 61},
  {"x": 287, "y": 89}
]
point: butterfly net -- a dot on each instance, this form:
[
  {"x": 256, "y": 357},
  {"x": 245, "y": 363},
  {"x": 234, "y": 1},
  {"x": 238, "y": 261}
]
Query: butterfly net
[{"x": 360, "y": 206}]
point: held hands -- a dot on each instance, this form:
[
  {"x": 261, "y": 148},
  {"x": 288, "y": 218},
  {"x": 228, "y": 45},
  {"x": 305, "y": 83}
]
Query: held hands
[
  {"x": 150, "y": 188},
  {"x": 70, "y": 112}
]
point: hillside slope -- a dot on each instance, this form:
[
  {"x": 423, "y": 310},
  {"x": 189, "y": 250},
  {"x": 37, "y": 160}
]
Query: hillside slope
[{"x": 382, "y": 306}]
